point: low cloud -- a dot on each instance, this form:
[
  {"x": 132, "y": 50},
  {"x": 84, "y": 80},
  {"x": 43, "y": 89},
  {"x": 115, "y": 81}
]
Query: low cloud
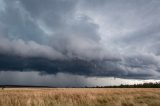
[
  {"x": 61, "y": 80},
  {"x": 90, "y": 38}
]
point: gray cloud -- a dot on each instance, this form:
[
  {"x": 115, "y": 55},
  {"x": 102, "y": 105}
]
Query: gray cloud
[
  {"x": 28, "y": 49},
  {"x": 60, "y": 79},
  {"x": 90, "y": 38}
]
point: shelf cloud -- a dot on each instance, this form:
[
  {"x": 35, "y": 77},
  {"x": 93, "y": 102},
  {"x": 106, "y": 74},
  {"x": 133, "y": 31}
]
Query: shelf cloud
[{"x": 91, "y": 38}]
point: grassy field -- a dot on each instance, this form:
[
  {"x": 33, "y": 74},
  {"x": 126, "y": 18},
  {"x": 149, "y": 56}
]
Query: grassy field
[{"x": 80, "y": 97}]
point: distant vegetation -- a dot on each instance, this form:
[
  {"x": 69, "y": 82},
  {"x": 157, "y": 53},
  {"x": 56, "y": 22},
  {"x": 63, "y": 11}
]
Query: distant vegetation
[{"x": 144, "y": 85}]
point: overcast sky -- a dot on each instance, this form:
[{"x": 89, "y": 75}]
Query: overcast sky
[{"x": 80, "y": 39}]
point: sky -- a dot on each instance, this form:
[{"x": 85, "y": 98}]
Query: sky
[{"x": 79, "y": 42}]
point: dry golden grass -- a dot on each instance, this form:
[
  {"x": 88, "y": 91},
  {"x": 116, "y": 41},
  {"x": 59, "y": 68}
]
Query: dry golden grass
[{"x": 80, "y": 97}]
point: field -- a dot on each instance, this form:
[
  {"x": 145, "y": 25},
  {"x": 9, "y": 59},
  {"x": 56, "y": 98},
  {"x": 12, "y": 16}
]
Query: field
[{"x": 80, "y": 97}]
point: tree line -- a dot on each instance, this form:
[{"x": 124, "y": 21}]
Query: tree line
[{"x": 144, "y": 85}]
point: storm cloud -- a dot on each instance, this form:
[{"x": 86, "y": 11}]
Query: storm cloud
[{"x": 91, "y": 38}]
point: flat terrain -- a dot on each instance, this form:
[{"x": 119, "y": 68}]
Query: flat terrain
[{"x": 80, "y": 97}]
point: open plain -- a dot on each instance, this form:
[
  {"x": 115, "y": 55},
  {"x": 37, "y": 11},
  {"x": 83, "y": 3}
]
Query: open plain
[{"x": 80, "y": 97}]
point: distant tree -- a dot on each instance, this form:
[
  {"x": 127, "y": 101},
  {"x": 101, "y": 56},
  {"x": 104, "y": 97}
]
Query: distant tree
[
  {"x": 3, "y": 87},
  {"x": 144, "y": 85}
]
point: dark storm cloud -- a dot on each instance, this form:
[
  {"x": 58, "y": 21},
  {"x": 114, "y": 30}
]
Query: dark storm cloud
[
  {"x": 48, "y": 25},
  {"x": 134, "y": 69},
  {"x": 82, "y": 37},
  {"x": 17, "y": 24}
]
